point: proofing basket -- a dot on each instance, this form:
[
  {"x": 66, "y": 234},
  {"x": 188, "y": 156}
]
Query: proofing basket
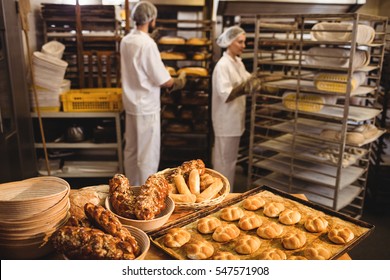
[{"x": 190, "y": 206}]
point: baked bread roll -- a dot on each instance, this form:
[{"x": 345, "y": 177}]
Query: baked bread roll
[
  {"x": 354, "y": 138},
  {"x": 317, "y": 252},
  {"x": 186, "y": 167},
  {"x": 181, "y": 185},
  {"x": 194, "y": 181},
  {"x": 296, "y": 258},
  {"x": 340, "y": 235},
  {"x": 173, "y": 56},
  {"x": 249, "y": 221},
  {"x": 247, "y": 245},
  {"x": 273, "y": 209},
  {"x": 194, "y": 71},
  {"x": 226, "y": 232},
  {"x": 205, "y": 181},
  {"x": 294, "y": 240},
  {"x": 231, "y": 213},
  {"x": 199, "y": 250},
  {"x": 289, "y": 217},
  {"x": 272, "y": 254},
  {"x": 316, "y": 224},
  {"x": 367, "y": 130},
  {"x": 225, "y": 256},
  {"x": 211, "y": 191},
  {"x": 171, "y": 40},
  {"x": 199, "y": 56},
  {"x": 176, "y": 237},
  {"x": 208, "y": 224},
  {"x": 253, "y": 203},
  {"x": 270, "y": 231}
]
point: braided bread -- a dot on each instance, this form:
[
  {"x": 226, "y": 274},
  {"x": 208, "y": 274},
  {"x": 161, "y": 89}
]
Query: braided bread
[
  {"x": 122, "y": 197},
  {"x": 151, "y": 199}
]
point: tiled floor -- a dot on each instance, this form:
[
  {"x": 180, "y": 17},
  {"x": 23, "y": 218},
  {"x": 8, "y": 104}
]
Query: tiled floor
[{"x": 376, "y": 245}]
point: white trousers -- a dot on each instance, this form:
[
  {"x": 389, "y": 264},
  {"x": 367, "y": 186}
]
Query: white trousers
[
  {"x": 225, "y": 156},
  {"x": 142, "y": 147}
]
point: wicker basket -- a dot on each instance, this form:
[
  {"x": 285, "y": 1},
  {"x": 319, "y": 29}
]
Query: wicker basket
[{"x": 186, "y": 206}]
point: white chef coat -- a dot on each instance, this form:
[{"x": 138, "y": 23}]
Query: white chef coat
[
  {"x": 143, "y": 72},
  {"x": 228, "y": 118}
]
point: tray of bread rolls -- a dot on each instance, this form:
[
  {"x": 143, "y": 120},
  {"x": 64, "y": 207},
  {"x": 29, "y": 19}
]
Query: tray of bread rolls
[{"x": 263, "y": 223}]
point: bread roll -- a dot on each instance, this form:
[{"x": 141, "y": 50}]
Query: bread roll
[
  {"x": 210, "y": 192},
  {"x": 176, "y": 237},
  {"x": 367, "y": 130},
  {"x": 199, "y": 249},
  {"x": 316, "y": 224},
  {"x": 205, "y": 181},
  {"x": 194, "y": 71},
  {"x": 194, "y": 181},
  {"x": 226, "y": 232},
  {"x": 354, "y": 138},
  {"x": 232, "y": 213},
  {"x": 170, "y": 40},
  {"x": 225, "y": 256},
  {"x": 317, "y": 253},
  {"x": 273, "y": 209},
  {"x": 208, "y": 224},
  {"x": 272, "y": 254},
  {"x": 270, "y": 231},
  {"x": 253, "y": 203},
  {"x": 294, "y": 240},
  {"x": 199, "y": 56},
  {"x": 181, "y": 185},
  {"x": 197, "y": 41},
  {"x": 249, "y": 221},
  {"x": 289, "y": 217},
  {"x": 297, "y": 258},
  {"x": 340, "y": 235},
  {"x": 173, "y": 56},
  {"x": 247, "y": 245},
  {"x": 178, "y": 197}
]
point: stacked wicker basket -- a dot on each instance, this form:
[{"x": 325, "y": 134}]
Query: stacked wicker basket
[{"x": 30, "y": 211}]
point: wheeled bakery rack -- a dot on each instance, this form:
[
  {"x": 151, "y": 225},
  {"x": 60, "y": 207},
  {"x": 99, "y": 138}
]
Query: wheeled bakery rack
[
  {"x": 186, "y": 129},
  {"x": 287, "y": 148}
]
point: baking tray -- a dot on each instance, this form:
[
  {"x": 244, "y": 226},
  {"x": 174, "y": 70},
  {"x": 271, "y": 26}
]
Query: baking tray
[{"x": 360, "y": 228}]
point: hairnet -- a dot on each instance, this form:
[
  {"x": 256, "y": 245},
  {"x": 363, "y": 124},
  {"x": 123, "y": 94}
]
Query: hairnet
[
  {"x": 229, "y": 35},
  {"x": 143, "y": 12}
]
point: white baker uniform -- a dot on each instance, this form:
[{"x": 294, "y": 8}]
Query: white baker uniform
[
  {"x": 143, "y": 72},
  {"x": 228, "y": 118}
]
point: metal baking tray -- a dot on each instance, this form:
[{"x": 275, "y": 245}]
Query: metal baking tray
[{"x": 360, "y": 228}]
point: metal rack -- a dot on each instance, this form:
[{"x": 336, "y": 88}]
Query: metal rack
[
  {"x": 186, "y": 130},
  {"x": 287, "y": 149}
]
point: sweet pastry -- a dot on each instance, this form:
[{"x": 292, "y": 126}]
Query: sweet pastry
[
  {"x": 273, "y": 209},
  {"x": 317, "y": 253},
  {"x": 316, "y": 224},
  {"x": 151, "y": 198},
  {"x": 231, "y": 213},
  {"x": 289, "y": 217},
  {"x": 226, "y": 232},
  {"x": 340, "y": 235},
  {"x": 176, "y": 237},
  {"x": 253, "y": 203},
  {"x": 199, "y": 249},
  {"x": 293, "y": 240},
  {"x": 270, "y": 231},
  {"x": 272, "y": 254},
  {"x": 249, "y": 221},
  {"x": 208, "y": 224},
  {"x": 247, "y": 244},
  {"x": 225, "y": 256}
]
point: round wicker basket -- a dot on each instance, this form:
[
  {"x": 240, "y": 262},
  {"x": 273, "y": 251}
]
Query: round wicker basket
[{"x": 187, "y": 206}]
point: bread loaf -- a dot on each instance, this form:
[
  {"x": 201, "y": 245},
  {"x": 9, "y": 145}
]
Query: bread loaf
[
  {"x": 247, "y": 244},
  {"x": 194, "y": 71},
  {"x": 306, "y": 102},
  {"x": 171, "y": 40},
  {"x": 121, "y": 196},
  {"x": 197, "y": 41},
  {"x": 173, "y": 56}
]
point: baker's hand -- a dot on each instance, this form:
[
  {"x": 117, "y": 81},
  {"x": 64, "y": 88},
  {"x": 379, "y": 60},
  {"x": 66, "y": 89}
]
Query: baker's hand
[
  {"x": 252, "y": 84},
  {"x": 179, "y": 82}
]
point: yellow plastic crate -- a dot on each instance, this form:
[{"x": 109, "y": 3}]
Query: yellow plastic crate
[{"x": 92, "y": 100}]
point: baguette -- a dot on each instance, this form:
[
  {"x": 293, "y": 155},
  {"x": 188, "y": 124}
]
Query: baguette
[
  {"x": 211, "y": 191},
  {"x": 194, "y": 181},
  {"x": 177, "y": 197},
  {"x": 181, "y": 185}
]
